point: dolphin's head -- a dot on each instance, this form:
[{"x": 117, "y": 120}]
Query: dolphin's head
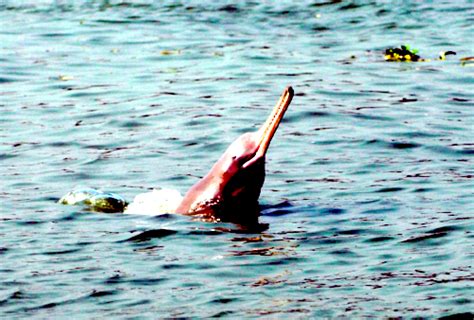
[
  {"x": 230, "y": 191},
  {"x": 241, "y": 169}
]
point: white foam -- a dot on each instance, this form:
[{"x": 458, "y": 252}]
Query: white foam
[{"x": 155, "y": 202}]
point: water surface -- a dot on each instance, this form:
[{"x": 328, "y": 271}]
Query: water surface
[{"x": 369, "y": 189}]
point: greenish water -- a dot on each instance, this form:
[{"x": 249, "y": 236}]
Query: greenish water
[{"x": 369, "y": 187}]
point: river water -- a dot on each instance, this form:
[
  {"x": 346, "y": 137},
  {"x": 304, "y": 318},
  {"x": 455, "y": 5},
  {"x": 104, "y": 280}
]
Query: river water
[{"x": 369, "y": 190}]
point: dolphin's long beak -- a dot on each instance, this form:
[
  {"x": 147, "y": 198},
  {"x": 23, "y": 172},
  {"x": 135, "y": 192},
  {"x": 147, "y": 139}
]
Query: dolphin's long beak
[{"x": 268, "y": 129}]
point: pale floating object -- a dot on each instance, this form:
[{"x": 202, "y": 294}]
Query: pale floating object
[
  {"x": 155, "y": 202},
  {"x": 170, "y": 52},
  {"x": 65, "y": 77},
  {"x": 95, "y": 199}
]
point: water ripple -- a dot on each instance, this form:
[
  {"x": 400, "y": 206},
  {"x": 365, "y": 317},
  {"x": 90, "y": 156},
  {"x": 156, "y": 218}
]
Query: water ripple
[{"x": 368, "y": 192}]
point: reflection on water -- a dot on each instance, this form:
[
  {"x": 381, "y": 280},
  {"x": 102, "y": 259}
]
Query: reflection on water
[{"x": 368, "y": 198}]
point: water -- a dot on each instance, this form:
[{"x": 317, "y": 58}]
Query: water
[{"x": 369, "y": 189}]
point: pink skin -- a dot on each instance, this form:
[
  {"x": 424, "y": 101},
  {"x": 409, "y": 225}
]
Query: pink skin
[{"x": 231, "y": 189}]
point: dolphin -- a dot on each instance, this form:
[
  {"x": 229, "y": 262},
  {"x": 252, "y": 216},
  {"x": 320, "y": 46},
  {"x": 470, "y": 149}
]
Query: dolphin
[{"x": 230, "y": 190}]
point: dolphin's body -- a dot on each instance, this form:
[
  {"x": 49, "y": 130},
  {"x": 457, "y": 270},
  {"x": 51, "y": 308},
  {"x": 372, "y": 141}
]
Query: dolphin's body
[{"x": 230, "y": 191}]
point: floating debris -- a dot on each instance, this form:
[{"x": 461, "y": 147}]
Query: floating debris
[
  {"x": 65, "y": 77},
  {"x": 443, "y": 54},
  {"x": 96, "y": 200},
  {"x": 402, "y": 54},
  {"x": 406, "y": 54},
  {"x": 170, "y": 52},
  {"x": 467, "y": 61}
]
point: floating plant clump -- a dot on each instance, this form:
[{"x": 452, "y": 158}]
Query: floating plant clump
[{"x": 406, "y": 54}]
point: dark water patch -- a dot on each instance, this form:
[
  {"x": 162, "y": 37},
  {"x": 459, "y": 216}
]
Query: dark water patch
[
  {"x": 380, "y": 210},
  {"x": 60, "y": 252},
  {"x": 289, "y": 74},
  {"x": 460, "y": 100},
  {"x": 450, "y": 151},
  {"x": 223, "y": 300},
  {"x": 391, "y": 189},
  {"x": 3, "y": 250},
  {"x": 165, "y": 217},
  {"x": 458, "y": 316},
  {"x": 24, "y": 143},
  {"x": 280, "y": 209},
  {"x": 446, "y": 229},
  {"x": 422, "y": 190},
  {"x": 56, "y": 34},
  {"x": 5, "y": 156},
  {"x": 148, "y": 250},
  {"x": 377, "y": 91},
  {"x": 69, "y": 216},
  {"x": 318, "y": 114},
  {"x": 320, "y": 28},
  {"x": 351, "y": 6},
  {"x": 324, "y": 128},
  {"x": 332, "y": 211},
  {"x": 329, "y": 142},
  {"x": 230, "y": 8},
  {"x": 325, "y": 241},
  {"x": 379, "y": 239},
  {"x": 14, "y": 297},
  {"x": 89, "y": 94},
  {"x": 132, "y": 124},
  {"x": 102, "y": 293},
  {"x": 140, "y": 302},
  {"x": 61, "y": 144},
  {"x": 325, "y": 3},
  {"x": 140, "y": 20},
  {"x": 113, "y": 21},
  {"x": 389, "y": 25},
  {"x": 346, "y": 253},
  {"x": 8, "y": 80},
  {"x": 93, "y": 114},
  {"x": 48, "y": 199},
  {"x": 418, "y": 134},
  {"x": 403, "y": 145},
  {"x": 150, "y": 234},
  {"x": 285, "y": 260},
  {"x": 369, "y": 117},
  {"x": 393, "y": 144},
  {"x": 425, "y": 237},
  {"x": 51, "y": 305},
  {"x": 173, "y": 266},
  {"x": 277, "y": 212},
  {"x": 116, "y": 278},
  {"x": 406, "y": 100},
  {"x": 146, "y": 281},
  {"x": 61, "y": 86},
  {"x": 351, "y": 232},
  {"x": 30, "y": 222}
]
